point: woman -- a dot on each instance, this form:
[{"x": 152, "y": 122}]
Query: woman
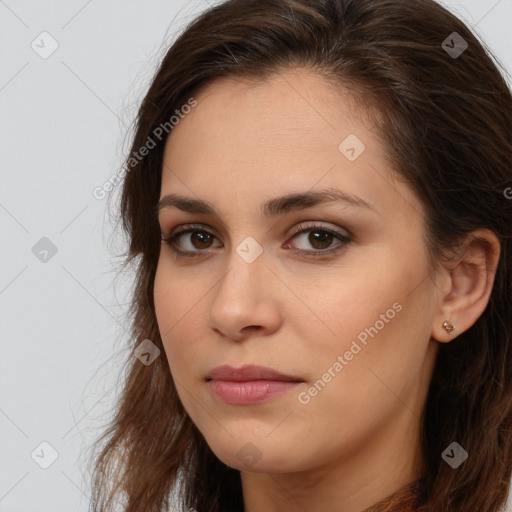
[{"x": 318, "y": 202}]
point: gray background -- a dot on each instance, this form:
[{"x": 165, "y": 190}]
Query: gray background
[{"x": 64, "y": 122}]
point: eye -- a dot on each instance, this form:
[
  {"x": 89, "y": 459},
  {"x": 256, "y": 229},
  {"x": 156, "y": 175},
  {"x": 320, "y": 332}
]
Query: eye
[
  {"x": 197, "y": 240},
  {"x": 320, "y": 238}
]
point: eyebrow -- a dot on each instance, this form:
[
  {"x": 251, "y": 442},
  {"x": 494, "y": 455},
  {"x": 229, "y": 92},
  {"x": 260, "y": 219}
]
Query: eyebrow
[{"x": 272, "y": 207}]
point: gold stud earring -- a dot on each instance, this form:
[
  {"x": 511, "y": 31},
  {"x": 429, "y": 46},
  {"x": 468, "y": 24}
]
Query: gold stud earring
[{"x": 448, "y": 327}]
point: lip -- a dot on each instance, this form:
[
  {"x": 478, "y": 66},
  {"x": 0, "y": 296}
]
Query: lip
[
  {"x": 249, "y": 372},
  {"x": 248, "y": 384}
]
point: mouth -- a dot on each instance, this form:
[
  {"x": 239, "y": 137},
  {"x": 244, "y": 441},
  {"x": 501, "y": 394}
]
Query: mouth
[
  {"x": 249, "y": 384},
  {"x": 249, "y": 373}
]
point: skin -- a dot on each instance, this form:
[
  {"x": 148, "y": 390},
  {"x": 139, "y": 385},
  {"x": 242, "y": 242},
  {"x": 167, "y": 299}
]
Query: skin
[{"x": 357, "y": 440}]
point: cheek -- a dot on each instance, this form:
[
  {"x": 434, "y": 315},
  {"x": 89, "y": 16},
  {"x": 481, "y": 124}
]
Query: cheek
[
  {"x": 350, "y": 297},
  {"x": 169, "y": 309},
  {"x": 373, "y": 380},
  {"x": 164, "y": 296},
  {"x": 373, "y": 322},
  {"x": 178, "y": 306},
  {"x": 349, "y": 308},
  {"x": 174, "y": 295}
]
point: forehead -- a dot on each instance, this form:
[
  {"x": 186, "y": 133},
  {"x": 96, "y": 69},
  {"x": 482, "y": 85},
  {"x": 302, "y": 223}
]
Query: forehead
[
  {"x": 256, "y": 139},
  {"x": 292, "y": 105}
]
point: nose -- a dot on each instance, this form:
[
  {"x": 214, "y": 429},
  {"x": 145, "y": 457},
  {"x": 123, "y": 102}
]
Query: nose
[{"x": 245, "y": 301}]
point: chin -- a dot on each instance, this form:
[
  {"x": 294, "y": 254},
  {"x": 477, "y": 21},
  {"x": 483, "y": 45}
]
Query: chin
[{"x": 257, "y": 455}]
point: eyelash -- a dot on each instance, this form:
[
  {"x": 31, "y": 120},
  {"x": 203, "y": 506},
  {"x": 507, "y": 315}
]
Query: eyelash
[{"x": 300, "y": 228}]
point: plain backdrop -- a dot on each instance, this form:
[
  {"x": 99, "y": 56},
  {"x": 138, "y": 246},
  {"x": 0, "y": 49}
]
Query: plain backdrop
[{"x": 64, "y": 128}]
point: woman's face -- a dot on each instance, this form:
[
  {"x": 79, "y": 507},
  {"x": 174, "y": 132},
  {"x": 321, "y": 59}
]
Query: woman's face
[{"x": 335, "y": 294}]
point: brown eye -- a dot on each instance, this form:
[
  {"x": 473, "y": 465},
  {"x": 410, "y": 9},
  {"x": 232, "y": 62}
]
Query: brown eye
[
  {"x": 190, "y": 241},
  {"x": 320, "y": 239},
  {"x": 200, "y": 239}
]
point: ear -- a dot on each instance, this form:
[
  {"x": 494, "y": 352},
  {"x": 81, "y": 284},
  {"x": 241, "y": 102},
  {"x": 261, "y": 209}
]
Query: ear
[{"x": 465, "y": 284}]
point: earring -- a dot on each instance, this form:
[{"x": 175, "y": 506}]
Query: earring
[{"x": 448, "y": 326}]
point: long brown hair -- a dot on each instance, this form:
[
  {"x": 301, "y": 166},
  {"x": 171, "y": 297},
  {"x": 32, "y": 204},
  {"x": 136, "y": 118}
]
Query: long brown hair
[{"x": 446, "y": 122}]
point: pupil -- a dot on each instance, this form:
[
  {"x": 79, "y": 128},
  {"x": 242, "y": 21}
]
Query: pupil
[
  {"x": 202, "y": 239},
  {"x": 320, "y": 236}
]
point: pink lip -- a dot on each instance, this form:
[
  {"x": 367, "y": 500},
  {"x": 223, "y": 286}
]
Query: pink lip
[
  {"x": 248, "y": 372},
  {"x": 248, "y": 384}
]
